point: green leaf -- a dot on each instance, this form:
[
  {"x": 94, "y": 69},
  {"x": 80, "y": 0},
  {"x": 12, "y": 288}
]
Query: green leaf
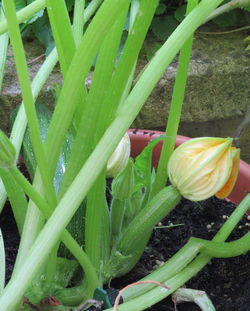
[
  {"x": 161, "y": 9},
  {"x": 180, "y": 13},
  {"x": 20, "y": 4},
  {"x": 152, "y": 50},
  {"x": 226, "y": 20},
  {"x": 163, "y": 26},
  {"x": 35, "y": 17},
  {"x": 143, "y": 162},
  {"x": 43, "y": 32},
  {"x": 69, "y": 4},
  {"x": 38, "y": 289}
]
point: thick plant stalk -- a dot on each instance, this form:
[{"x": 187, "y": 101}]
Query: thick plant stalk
[
  {"x": 231, "y": 5},
  {"x": 193, "y": 295},
  {"x": 24, "y": 80},
  {"x": 24, "y": 14},
  {"x": 33, "y": 217},
  {"x": 78, "y": 20},
  {"x": 4, "y": 42},
  {"x": 177, "y": 279},
  {"x": 62, "y": 32},
  {"x": 175, "y": 109},
  {"x": 67, "y": 239},
  {"x": 34, "y": 220}
]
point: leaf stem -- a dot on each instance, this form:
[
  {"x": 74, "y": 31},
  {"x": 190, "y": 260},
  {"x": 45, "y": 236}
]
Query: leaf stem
[
  {"x": 228, "y": 7},
  {"x": 23, "y": 75},
  {"x": 24, "y": 14},
  {"x": 177, "y": 269},
  {"x": 67, "y": 239},
  {"x": 78, "y": 20},
  {"x": 175, "y": 110}
]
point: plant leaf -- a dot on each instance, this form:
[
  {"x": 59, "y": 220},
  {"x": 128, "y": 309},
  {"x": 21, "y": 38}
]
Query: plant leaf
[
  {"x": 226, "y": 19},
  {"x": 163, "y": 26},
  {"x": 180, "y": 13},
  {"x": 143, "y": 162},
  {"x": 161, "y": 9},
  {"x": 43, "y": 32}
]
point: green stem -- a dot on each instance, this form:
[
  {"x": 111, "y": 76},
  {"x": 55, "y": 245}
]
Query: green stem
[
  {"x": 228, "y": 7},
  {"x": 90, "y": 9},
  {"x": 24, "y": 14},
  {"x": 65, "y": 45},
  {"x": 33, "y": 219},
  {"x": 193, "y": 295},
  {"x": 78, "y": 20},
  {"x": 226, "y": 249},
  {"x": 23, "y": 75},
  {"x": 62, "y": 32},
  {"x": 16, "y": 197},
  {"x": 172, "y": 270},
  {"x": 117, "y": 214},
  {"x": 134, "y": 239},
  {"x": 67, "y": 239},
  {"x": 154, "y": 211},
  {"x": 175, "y": 110},
  {"x": 4, "y": 42}
]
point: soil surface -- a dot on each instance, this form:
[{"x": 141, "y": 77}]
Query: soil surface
[{"x": 226, "y": 281}]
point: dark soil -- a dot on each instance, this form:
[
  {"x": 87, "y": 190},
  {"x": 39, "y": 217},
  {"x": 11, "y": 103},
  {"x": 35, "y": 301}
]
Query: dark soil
[
  {"x": 11, "y": 238},
  {"x": 226, "y": 281}
]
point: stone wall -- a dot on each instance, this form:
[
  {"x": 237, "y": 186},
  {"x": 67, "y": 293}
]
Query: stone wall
[{"x": 216, "y": 100}]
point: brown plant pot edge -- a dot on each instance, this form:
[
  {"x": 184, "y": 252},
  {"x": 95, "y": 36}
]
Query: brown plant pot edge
[{"x": 140, "y": 138}]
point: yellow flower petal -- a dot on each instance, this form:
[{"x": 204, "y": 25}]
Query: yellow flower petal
[{"x": 229, "y": 185}]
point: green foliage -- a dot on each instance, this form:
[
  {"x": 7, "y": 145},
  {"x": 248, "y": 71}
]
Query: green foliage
[
  {"x": 170, "y": 13},
  {"x": 163, "y": 26},
  {"x": 42, "y": 31},
  {"x": 180, "y": 12},
  {"x": 226, "y": 19},
  {"x": 112, "y": 245}
]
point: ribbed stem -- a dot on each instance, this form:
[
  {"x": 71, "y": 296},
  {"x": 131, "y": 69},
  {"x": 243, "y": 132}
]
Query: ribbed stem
[
  {"x": 24, "y": 14},
  {"x": 67, "y": 239},
  {"x": 175, "y": 110}
]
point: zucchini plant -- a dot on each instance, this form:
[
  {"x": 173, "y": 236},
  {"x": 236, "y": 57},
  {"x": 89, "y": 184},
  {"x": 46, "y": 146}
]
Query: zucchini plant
[{"x": 72, "y": 240}]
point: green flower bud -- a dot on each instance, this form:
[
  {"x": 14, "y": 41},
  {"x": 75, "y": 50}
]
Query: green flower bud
[
  {"x": 123, "y": 184},
  {"x": 119, "y": 158}
]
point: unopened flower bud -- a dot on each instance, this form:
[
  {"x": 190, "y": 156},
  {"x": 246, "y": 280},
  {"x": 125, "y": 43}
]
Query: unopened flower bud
[
  {"x": 119, "y": 158},
  {"x": 203, "y": 167},
  {"x": 123, "y": 184},
  {"x": 7, "y": 152}
]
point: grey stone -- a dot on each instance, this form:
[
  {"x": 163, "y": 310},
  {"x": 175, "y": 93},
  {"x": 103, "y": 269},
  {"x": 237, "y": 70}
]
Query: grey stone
[
  {"x": 10, "y": 96},
  {"x": 217, "y": 94}
]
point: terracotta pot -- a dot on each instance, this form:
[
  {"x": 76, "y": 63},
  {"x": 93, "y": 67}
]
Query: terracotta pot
[{"x": 140, "y": 138}]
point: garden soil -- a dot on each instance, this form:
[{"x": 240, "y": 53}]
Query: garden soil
[{"x": 226, "y": 281}]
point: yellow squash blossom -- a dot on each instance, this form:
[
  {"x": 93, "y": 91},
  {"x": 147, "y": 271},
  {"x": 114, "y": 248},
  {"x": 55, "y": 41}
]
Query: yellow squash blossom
[{"x": 203, "y": 167}]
